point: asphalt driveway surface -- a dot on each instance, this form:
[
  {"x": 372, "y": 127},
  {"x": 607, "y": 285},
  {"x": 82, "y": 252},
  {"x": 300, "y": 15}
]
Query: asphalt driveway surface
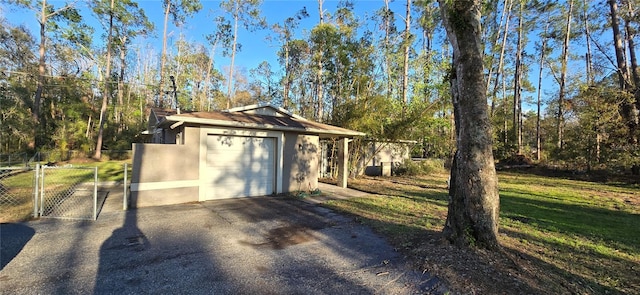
[{"x": 263, "y": 245}]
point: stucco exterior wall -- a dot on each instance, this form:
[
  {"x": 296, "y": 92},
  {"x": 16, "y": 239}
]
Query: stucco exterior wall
[
  {"x": 164, "y": 174},
  {"x": 375, "y": 153},
  {"x": 192, "y": 137},
  {"x": 300, "y": 169}
]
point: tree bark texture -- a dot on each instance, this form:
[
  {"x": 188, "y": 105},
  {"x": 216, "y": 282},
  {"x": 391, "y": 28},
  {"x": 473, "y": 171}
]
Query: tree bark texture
[
  {"x": 628, "y": 109},
  {"x": 472, "y": 218}
]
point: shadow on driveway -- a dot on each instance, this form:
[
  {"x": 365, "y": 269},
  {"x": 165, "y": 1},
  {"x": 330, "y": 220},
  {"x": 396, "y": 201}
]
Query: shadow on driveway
[
  {"x": 262, "y": 245},
  {"x": 13, "y": 237}
]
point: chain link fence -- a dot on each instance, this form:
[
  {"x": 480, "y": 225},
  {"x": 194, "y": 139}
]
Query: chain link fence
[
  {"x": 69, "y": 192},
  {"x": 17, "y": 193},
  {"x": 64, "y": 192},
  {"x": 13, "y": 160}
]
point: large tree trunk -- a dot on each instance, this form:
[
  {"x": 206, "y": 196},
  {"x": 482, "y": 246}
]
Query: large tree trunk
[
  {"x": 628, "y": 109},
  {"x": 472, "y": 218},
  {"x": 623, "y": 79},
  {"x": 632, "y": 48},
  {"x": 634, "y": 74},
  {"x": 105, "y": 93}
]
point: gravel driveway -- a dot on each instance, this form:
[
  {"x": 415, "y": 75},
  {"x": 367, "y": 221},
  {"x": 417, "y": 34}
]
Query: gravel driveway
[{"x": 263, "y": 245}]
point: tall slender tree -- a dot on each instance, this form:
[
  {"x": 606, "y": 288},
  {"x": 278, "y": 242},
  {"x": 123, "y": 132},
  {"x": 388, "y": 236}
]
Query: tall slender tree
[
  {"x": 125, "y": 20},
  {"x": 517, "y": 81},
  {"x": 106, "y": 88},
  {"x": 319, "y": 91},
  {"x": 285, "y": 32},
  {"x": 508, "y": 4},
  {"x": 407, "y": 49},
  {"x": 179, "y": 10},
  {"x": 543, "y": 49},
  {"x": 635, "y": 74},
  {"x": 47, "y": 15},
  {"x": 563, "y": 77},
  {"x": 247, "y": 14},
  {"x": 628, "y": 108}
]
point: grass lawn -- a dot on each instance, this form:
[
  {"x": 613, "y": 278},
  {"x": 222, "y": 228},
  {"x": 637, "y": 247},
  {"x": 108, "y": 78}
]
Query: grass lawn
[
  {"x": 16, "y": 189},
  {"x": 558, "y": 235}
]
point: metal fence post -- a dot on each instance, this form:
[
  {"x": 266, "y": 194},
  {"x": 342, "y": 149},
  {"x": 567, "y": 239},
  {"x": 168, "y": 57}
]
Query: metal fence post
[
  {"x": 42, "y": 190},
  {"x": 95, "y": 193},
  {"x": 35, "y": 191},
  {"x": 125, "y": 201}
]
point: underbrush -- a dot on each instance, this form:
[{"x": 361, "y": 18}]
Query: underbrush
[{"x": 419, "y": 167}]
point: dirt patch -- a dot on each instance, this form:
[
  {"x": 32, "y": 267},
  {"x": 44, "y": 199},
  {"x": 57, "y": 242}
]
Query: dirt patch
[
  {"x": 283, "y": 237},
  {"x": 475, "y": 271}
]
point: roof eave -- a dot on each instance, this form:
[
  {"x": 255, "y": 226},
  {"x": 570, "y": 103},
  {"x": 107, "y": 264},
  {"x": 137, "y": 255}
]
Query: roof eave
[{"x": 224, "y": 123}]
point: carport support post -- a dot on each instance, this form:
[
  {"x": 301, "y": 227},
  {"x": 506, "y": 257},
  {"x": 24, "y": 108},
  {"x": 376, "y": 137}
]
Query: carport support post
[{"x": 343, "y": 161}]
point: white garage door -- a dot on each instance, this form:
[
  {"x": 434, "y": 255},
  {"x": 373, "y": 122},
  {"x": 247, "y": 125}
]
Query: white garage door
[{"x": 239, "y": 166}]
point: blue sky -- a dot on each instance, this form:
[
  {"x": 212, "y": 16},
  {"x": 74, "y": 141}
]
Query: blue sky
[{"x": 255, "y": 47}]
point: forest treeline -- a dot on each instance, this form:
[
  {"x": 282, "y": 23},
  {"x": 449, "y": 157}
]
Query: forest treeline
[{"x": 562, "y": 77}]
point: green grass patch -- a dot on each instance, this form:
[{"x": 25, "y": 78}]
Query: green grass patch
[
  {"x": 112, "y": 170},
  {"x": 584, "y": 232}
]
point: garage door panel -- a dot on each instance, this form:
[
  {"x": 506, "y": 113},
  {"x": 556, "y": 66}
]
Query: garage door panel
[
  {"x": 224, "y": 189},
  {"x": 239, "y": 166}
]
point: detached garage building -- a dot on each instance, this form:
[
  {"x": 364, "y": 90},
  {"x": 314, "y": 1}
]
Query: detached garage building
[{"x": 248, "y": 151}]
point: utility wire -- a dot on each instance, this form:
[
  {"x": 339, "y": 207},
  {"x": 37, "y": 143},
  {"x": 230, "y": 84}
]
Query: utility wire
[{"x": 3, "y": 74}]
